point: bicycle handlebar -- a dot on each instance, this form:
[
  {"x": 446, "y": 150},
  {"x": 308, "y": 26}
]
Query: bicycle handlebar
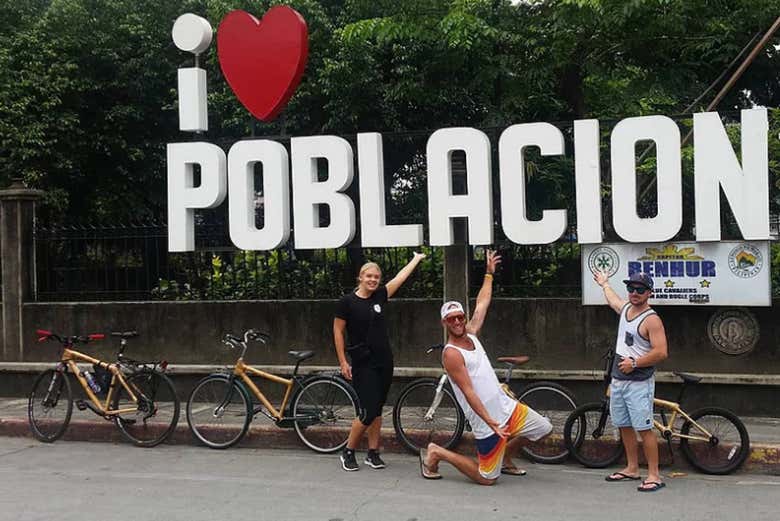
[
  {"x": 233, "y": 341},
  {"x": 44, "y": 335},
  {"x": 433, "y": 348}
]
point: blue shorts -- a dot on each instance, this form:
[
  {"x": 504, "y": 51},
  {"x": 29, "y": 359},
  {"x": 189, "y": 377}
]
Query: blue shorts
[{"x": 631, "y": 403}]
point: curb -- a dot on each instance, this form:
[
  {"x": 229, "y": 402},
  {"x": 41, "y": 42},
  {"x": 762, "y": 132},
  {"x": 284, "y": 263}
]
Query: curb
[
  {"x": 763, "y": 458},
  {"x": 586, "y": 375}
]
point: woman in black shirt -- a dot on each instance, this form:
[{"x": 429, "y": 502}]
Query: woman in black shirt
[{"x": 361, "y": 315}]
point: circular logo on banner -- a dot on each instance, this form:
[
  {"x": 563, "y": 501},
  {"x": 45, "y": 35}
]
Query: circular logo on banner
[
  {"x": 604, "y": 259},
  {"x": 377, "y": 308},
  {"x": 746, "y": 261},
  {"x": 733, "y": 331}
]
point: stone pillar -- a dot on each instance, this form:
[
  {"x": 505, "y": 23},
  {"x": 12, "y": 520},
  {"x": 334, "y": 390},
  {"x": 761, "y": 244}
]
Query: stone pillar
[
  {"x": 456, "y": 274},
  {"x": 456, "y": 257},
  {"x": 17, "y": 249}
]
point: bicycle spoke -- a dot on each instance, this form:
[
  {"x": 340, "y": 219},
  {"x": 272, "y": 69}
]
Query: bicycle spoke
[
  {"x": 154, "y": 412},
  {"x": 591, "y": 444},
  {"x": 417, "y": 422},
  {"x": 556, "y": 403},
  {"x": 324, "y": 411},
  {"x": 50, "y": 405},
  {"x": 726, "y": 446},
  {"x": 217, "y": 413}
]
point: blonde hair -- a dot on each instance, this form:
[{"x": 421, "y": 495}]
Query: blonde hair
[{"x": 368, "y": 266}]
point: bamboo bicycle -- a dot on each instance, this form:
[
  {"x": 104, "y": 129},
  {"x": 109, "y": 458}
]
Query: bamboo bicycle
[
  {"x": 322, "y": 406},
  {"x": 139, "y": 398},
  {"x": 714, "y": 440},
  {"x": 426, "y": 410}
]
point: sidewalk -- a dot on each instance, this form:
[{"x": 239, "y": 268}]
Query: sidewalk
[{"x": 85, "y": 426}]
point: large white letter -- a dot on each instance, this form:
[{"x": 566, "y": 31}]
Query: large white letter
[
  {"x": 511, "y": 149},
  {"x": 668, "y": 221},
  {"x": 716, "y": 166},
  {"x": 276, "y": 194},
  {"x": 587, "y": 176},
  {"x": 374, "y": 232},
  {"x": 308, "y": 193},
  {"x": 477, "y": 204},
  {"x": 184, "y": 197}
]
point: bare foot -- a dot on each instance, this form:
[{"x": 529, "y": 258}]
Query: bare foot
[{"x": 433, "y": 466}]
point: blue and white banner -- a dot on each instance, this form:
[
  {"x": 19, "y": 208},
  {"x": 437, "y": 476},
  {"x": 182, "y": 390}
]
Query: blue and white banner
[{"x": 684, "y": 273}]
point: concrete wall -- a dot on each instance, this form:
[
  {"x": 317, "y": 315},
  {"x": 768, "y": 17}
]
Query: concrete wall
[{"x": 556, "y": 333}]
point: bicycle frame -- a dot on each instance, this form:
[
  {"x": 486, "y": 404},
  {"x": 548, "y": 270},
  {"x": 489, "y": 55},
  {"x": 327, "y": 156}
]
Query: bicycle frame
[
  {"x": 70, "y": 357},
  {"x": 667, "y": 429},
  {"x": 436, "y": 399},
  {"x": 242, "y": 371}
]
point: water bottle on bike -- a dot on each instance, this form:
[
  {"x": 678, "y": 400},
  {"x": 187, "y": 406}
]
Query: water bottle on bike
[{"x": 91, "y": 382}]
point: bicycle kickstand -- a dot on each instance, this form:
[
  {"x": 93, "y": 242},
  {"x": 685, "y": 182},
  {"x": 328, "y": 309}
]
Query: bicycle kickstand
[{"x": 668, "y": 436}]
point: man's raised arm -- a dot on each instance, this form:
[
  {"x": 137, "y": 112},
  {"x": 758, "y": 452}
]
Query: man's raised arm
[
  {"x": 614, "y": 301},
  {"x": 485, "y": 293}
]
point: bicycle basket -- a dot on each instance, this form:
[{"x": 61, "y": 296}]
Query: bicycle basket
[{"x": 102, "y": 377}]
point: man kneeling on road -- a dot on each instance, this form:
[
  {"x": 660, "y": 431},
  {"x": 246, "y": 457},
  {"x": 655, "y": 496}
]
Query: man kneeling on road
[{"x": 500, "y": 424}]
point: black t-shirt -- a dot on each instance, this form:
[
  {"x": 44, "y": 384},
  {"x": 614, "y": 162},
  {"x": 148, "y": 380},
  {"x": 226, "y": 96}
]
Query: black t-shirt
[{"x": 365, "y": 318}]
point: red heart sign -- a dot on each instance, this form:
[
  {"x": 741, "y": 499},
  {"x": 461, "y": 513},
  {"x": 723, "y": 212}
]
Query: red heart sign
[{"x": 263, "y": 60}]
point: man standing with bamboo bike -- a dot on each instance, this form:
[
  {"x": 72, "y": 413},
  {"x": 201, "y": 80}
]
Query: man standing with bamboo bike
[
  {"x": 500, "y": 424},
  {"x": 641, "y": 345}
]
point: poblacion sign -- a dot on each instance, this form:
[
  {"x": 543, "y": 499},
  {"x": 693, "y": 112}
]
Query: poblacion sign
[{"x": 291, "y": 186}]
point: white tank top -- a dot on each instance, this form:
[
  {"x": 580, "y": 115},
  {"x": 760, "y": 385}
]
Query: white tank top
[
  {"x": 630, "y": 342},
  {"x": 485, "y": 383}
]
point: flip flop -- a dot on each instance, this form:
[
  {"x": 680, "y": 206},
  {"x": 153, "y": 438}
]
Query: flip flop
[
  {"x": 621, "y": 477},
  {"x": 513, "y": 471},
  {"x": 655, "y": 485},
  {"x": 424, "y": 470}
]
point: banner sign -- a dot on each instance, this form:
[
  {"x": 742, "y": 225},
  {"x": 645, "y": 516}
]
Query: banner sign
[{"x": 684, "y": 273}]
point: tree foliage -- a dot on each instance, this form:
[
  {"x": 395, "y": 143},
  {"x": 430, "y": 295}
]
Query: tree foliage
[{"x": 88, "y": 100}]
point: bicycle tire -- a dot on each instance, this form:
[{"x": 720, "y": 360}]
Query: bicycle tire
[
  {"x": 329, "y": 405},
  {"x": 414, "y": 430},
  {"x": 156, "y": 412},
  {"x": 728, "y": 448},
  {"x": 219, "y": 429},
  {"x": 578, "y": 435},
  {"x": 48, "y": 411},
  {"x": 556, "y": 403}
]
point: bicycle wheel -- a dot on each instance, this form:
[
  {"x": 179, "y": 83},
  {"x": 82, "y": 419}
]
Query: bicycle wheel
[
  {"x": 50, "y": 405},
  {"x": 420, "y": 416},
  {"x": 556, "y": 403},
  {"x": 590, "y": 436},
  {"x": 153, "y": 418},
  {"x": 324, "y": 409},
  {"x": 219, "y": 412},
  {"x": 724, "y": 450}
]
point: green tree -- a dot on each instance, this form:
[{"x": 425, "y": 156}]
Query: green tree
[{"x": 88, "y": 100}]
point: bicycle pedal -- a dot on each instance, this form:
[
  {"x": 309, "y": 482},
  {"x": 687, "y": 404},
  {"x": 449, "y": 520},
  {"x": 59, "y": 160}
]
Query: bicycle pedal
[{"x": 80, "y": 405}]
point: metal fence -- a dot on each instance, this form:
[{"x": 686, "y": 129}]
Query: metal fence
[{"x": 131, "y": 262}]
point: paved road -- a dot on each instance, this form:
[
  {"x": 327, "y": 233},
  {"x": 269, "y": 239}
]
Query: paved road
[{"x": 86, "y": 481}]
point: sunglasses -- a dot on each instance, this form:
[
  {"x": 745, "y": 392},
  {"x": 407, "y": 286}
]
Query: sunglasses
[
  {"x": 456, "y": 318},
  {"x": 641, "y": 290}
]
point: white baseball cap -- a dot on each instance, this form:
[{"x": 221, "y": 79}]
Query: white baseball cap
[{"x": 451, "y": 307}]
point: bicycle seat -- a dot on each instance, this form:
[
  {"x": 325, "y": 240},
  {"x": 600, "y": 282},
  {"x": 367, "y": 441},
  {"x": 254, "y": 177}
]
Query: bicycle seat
[
  {"x": 514, "y": 360},
  {"x": 300, "y": 356},
  {"x": 689, "y": 378},
  {"x": 125, "y": 334}
]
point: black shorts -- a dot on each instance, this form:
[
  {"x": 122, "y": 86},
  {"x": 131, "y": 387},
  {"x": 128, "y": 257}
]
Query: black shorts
[{"x": 372, "y": 385}]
